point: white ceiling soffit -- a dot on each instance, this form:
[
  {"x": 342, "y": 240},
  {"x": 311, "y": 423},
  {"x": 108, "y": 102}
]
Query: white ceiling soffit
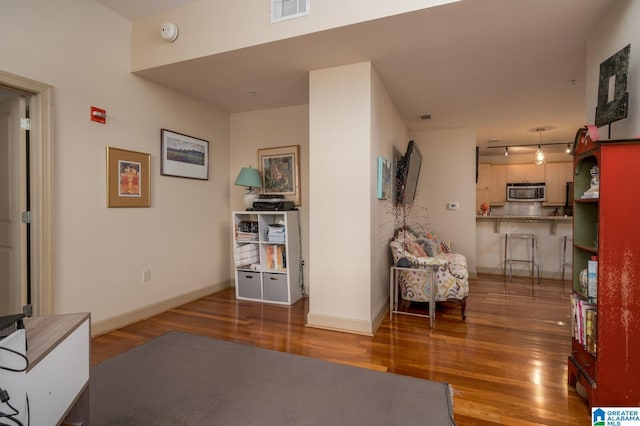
[
  {"x": 502, "y": 67},
  {"x": 132, "y": 9}
]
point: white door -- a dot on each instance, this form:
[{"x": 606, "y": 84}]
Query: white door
[{"x": 12, "y": 196}]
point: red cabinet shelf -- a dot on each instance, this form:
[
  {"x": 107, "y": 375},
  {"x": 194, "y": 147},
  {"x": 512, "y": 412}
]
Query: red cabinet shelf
[{"x": 607, "y": 227}]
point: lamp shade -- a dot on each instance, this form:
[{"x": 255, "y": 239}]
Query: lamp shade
[{"x": 249, "y": 177}]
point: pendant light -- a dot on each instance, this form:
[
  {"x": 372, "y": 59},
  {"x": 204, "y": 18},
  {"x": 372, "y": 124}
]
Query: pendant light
[
  {"x": 540, "y": 158},
  {"x": 506, "y": 151}
]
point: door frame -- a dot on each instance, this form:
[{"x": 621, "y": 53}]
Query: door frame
[{"x": 41, "y": 189}]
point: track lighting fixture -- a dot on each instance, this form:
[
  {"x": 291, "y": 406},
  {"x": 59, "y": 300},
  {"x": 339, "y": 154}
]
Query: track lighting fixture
[{"x": 540, "y": 156}]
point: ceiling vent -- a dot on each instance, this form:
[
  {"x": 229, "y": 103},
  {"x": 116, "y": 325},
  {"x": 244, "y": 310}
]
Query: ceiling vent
[
  {"x": 424, "y": 116},
  {"x": 288, "y": 9}
]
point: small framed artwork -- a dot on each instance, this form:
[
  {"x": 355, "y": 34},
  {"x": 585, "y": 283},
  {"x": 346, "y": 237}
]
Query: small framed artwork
[
  {"x": 384, "y": 178},
  {"x": 184, "y": 156},
  {"x": 128, "y": 178},
  {"x": 280, "y": 170}
]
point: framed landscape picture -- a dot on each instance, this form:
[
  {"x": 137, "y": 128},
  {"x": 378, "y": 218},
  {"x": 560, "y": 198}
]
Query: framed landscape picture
[
  {"x": 128, "y": 178},
  {"x": 184, "y": 156},
  {"x": 280, "y": 170}
]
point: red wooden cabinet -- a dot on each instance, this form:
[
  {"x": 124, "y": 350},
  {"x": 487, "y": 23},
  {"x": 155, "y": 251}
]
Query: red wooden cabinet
[{"x": 608, "y": 227}]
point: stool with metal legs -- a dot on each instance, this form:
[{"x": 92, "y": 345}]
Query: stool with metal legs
[
  {"x": 532, "y": 260},
  {"x": 565, "y": 261}
]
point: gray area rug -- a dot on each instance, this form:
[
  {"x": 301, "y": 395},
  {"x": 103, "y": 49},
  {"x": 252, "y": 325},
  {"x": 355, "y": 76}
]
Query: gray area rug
[{"x": 184, "y": 379}]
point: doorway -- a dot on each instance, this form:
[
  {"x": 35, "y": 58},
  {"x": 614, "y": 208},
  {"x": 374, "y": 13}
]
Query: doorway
[
  {"x": 26, "y": 253},
  {"x": 14, "y": 247}
]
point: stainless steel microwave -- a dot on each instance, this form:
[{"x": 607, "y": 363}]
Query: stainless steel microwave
[{"x": 525, "y": 192}]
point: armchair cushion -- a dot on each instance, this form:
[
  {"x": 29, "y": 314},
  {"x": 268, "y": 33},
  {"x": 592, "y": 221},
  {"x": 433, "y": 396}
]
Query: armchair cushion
[
  {"x": 416, "y": 249},
  {"x": 431, "y": 248}
]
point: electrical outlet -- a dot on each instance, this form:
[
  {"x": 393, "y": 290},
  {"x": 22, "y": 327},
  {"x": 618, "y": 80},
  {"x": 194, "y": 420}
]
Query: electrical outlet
[{"x": 146, "y": 275}]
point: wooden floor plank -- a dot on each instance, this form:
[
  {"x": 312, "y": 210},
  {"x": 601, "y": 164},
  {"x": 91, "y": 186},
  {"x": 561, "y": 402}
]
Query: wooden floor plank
[{"x": 507, "y": 363}]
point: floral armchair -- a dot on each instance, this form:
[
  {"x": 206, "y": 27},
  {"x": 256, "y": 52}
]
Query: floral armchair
[{"x": 451, "y": 277}]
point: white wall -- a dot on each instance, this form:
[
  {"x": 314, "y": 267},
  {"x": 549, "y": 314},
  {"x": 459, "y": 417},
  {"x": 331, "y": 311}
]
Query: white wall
[
  {"x": 448, "y": 173},
  {"x": 618, "y": 28},
  {"x": 230, "y": 25},
  {"x": 388, "y": 135},
  {"x": 340, "y": 192},
  {"x": 83, "y": 51},
  {"x": 352, "y": 121},
  {"x": 271, "y": 128}
]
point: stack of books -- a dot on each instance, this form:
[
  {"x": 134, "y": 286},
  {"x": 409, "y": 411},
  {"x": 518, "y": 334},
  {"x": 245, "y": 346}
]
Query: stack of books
[
  {"x": 275, "y": 233},
  {"x": 247, "y": 230},
  {"x": 584, "y": 319},
  {"x": 246, "y": 255},
  {"x": 246, "y": 236}
]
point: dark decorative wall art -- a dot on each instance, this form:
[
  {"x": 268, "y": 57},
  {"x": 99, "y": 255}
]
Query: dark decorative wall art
[
  {"x": 280, "y": 170},
  {"x": 613, "y": 80}
]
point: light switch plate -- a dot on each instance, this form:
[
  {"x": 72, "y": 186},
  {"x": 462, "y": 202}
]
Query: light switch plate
[{"x": 453, "y": 205}]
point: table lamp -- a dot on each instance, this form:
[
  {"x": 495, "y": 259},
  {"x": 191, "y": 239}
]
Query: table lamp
[{"x": 250, "y": 178}]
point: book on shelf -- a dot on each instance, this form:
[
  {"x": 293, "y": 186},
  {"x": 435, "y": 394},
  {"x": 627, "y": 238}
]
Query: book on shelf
[
  {"x": 592, "y": 279},
  {"x": 276, "y": 257},
  {"x": 246, "y": 236},
  {"x": 591, "y": 321},
  {"x": 584, "y": 323}
]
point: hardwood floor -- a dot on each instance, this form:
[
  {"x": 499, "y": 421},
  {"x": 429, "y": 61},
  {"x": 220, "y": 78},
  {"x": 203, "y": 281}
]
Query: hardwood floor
[{"x": 507, "y": 363}]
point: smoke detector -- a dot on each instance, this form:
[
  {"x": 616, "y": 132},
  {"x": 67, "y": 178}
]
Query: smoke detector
[{"x": 169, "y": 32}]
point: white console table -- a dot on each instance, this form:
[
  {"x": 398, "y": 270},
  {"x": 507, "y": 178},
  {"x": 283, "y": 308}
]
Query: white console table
[{"x": 57, "y": 379}]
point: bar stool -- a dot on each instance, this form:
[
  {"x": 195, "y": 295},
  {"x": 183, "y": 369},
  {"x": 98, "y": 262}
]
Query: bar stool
[
  {"x": 532, "y": 260},
  {"x": 565, "y": 261}
]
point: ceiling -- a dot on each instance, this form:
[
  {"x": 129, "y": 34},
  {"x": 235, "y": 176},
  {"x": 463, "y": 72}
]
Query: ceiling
[{"x": 503, "y": 67}]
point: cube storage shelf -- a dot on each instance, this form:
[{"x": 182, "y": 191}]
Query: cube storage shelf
[{"x": 266, "y": 253}]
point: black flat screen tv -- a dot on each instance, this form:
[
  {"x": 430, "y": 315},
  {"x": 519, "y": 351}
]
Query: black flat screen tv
[{"x": 408, "y": 171}]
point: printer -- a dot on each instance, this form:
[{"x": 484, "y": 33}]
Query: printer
[{"x": 273, "y": 203}]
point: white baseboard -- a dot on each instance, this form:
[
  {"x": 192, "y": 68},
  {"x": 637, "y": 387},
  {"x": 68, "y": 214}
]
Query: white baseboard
[
  {"x": 107, "y": 325},
  {"x": 348, "y": 325}
]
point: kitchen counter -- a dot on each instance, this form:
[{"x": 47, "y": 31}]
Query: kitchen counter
[
  {"x": 549, "y": 230},
  {"x": 552, "y": 220}
]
